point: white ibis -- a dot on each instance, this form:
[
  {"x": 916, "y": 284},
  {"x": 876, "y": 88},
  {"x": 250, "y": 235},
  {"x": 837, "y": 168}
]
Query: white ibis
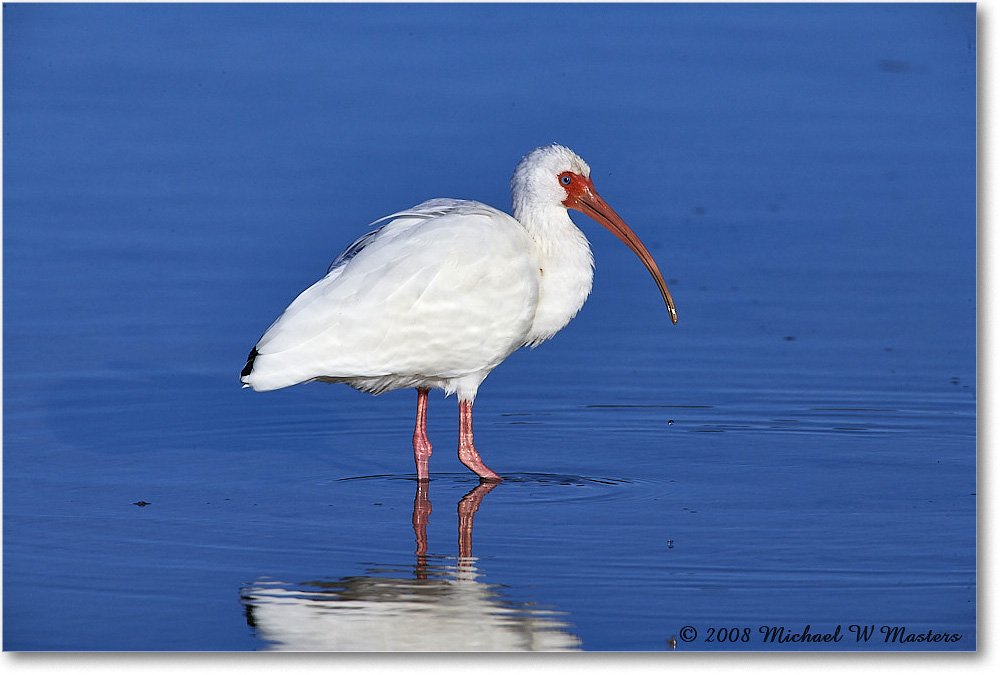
[{"x": 443, "y": 292}]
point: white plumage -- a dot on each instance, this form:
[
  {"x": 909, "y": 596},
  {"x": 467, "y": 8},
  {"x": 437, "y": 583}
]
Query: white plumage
[
  {"x": 437, "y": 297},
  {"x": 443, "y": 292}
]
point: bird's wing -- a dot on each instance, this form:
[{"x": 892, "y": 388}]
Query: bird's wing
[
  {"x": 352, "y": 250},
  {"x": 402, "y": 220},
  {"x": 440, "y": 290}
]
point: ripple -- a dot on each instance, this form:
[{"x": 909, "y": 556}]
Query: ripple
[
  {"x": 465, "y": 478},
  {"x": 543, "y": 487}
]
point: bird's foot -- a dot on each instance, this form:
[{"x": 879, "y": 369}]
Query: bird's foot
[{"x": 469, "y": 457}]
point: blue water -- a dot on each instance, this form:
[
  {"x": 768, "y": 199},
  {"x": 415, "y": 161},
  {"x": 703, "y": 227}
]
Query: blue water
[{"x": 800, "y": 450}]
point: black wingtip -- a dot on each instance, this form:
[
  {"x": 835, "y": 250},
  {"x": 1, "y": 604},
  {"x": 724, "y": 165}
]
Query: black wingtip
[{"x": 248, "y": 368}]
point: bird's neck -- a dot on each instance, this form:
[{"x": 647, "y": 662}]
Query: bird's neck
[{"x": 566, "y": 268}]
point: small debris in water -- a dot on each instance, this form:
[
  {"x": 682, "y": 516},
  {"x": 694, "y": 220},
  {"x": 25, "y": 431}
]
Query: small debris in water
[
  {"x": 670, "y": 421},
  {"x": 142, "y": 503}
]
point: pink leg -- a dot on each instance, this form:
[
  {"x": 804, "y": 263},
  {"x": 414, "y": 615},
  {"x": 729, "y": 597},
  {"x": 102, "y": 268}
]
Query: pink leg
[
  {"x": 466, "y": 450},
  {"x": 421, "y": 444}
]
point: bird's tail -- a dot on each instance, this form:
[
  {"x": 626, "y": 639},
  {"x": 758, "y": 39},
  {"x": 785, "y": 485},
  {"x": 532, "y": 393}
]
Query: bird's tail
[{"x": 248, "y": 368}]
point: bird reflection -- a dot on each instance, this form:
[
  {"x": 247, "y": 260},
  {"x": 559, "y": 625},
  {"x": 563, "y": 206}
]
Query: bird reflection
[{"x": 438, "y": 604}]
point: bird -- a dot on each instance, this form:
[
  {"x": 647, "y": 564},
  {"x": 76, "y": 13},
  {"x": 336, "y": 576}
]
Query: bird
[{"x": 439, "y": 294}]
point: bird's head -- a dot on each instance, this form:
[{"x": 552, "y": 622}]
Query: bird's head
[{"x": 554, "y": 176}]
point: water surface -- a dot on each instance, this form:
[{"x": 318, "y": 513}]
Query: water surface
[{"x": 800, "y": 450}]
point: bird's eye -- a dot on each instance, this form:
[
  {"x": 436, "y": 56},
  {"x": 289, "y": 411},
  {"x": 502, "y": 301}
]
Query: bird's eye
[{"x": 565, "y": 180}]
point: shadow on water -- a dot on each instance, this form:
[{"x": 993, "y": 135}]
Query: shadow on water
[{"x": 437, "y": 604}]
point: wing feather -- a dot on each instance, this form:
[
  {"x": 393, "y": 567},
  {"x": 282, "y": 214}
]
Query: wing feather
[{"x": 441, "y": 290}]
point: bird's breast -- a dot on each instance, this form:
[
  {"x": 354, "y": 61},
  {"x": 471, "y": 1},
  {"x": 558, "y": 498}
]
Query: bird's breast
[{"x": 566, "y": 275}]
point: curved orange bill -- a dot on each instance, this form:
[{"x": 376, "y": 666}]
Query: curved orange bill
[{"x": 589, "y": 202}]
